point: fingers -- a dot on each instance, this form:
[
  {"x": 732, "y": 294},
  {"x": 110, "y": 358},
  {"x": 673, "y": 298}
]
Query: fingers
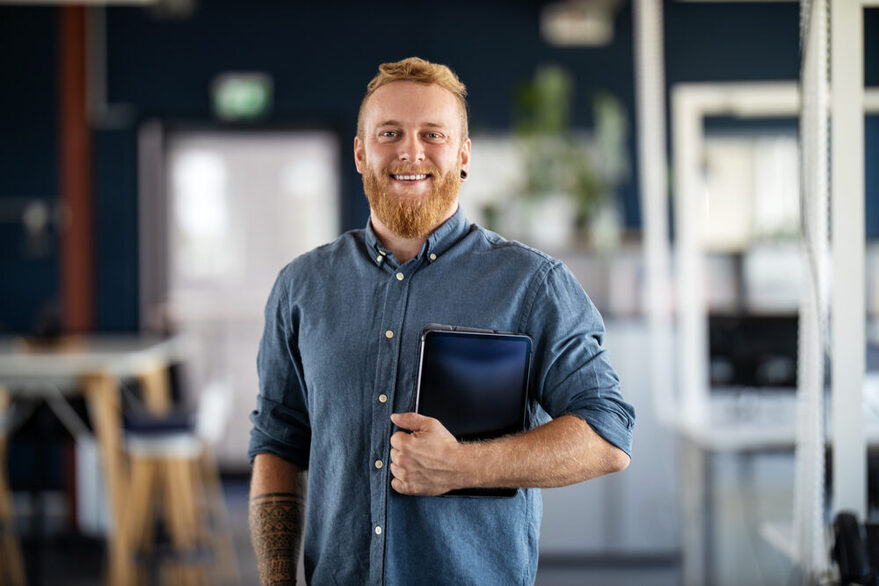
[
  {"x": 412, "y": 421},
  {"x": 397, "y": 472},
  {"x": 419, "y": 461},
  {"x": 398, "y": 440},
  {"x": 404, "y": 478},
  {"x": 398, "y": 485},
  {"x": 398, "y": 480},
  {"x": 411, "y": 483},
  {"x": 398, "y": 466}
]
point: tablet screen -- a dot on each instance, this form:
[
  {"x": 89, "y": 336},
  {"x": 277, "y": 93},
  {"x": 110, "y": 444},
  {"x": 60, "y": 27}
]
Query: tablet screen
[{"x": 474, "y": 383}]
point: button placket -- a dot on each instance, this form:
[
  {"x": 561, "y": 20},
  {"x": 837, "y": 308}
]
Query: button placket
[{"x": 396, "y": 291}]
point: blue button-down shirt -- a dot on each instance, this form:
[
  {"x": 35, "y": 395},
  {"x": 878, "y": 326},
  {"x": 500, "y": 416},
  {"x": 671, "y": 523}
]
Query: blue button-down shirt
[{"x": 339, "y": 354}]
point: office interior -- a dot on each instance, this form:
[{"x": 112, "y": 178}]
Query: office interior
[{"x": 162, "y": 160}]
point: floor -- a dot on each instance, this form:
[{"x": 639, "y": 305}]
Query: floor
[{"x": 64, "y": 557}]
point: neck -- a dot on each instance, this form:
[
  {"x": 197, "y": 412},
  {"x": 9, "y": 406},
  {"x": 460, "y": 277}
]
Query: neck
[{"x": 404, "y": 249}]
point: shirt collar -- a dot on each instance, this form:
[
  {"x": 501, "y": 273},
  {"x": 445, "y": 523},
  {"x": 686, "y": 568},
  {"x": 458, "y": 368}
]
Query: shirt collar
[{"x": 439, "y": 241}]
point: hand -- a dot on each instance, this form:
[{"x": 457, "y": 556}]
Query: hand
[{"x": 426, "y": 461}]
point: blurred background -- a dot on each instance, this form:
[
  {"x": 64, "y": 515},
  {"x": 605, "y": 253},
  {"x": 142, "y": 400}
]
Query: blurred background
[{"x": 161, "y": 160}]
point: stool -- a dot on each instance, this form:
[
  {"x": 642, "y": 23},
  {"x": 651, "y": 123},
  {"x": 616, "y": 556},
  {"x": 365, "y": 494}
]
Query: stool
[
  {"x": 171, "y": 464},
  {"x": 166, "y": 468}
]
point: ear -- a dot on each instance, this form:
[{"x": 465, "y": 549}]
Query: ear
[
  {"x": 359, "y": 155},
  {"x": 465, "y": 156}
]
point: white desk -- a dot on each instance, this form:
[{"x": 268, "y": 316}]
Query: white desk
[
  {"x": 24, "y": 364},
  {"x": 92, "y": 366},
  {"x": 737, "y": 423}
]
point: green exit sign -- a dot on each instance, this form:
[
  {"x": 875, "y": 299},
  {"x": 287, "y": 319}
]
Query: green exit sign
[{"x": 242, "y": 96}]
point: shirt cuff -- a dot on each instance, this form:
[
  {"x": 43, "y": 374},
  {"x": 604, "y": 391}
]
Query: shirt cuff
[
  {"x": 279, "y": 430},
  {"x": 612, "y": 425}
]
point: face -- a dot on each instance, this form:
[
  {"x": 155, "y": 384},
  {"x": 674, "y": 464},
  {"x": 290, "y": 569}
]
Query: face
[{"x": 411, "y": 156}]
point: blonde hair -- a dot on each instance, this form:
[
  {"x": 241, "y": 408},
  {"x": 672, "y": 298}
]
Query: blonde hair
[{"x": 420, "y": 71}]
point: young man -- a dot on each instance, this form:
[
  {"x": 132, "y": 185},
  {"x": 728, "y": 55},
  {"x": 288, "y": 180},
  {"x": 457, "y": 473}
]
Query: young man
[{"x": 338, "y": 361}]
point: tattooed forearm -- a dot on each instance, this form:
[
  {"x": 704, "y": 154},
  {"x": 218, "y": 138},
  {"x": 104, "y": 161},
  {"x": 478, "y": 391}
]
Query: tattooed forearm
[{"x": 276, "y": 532}]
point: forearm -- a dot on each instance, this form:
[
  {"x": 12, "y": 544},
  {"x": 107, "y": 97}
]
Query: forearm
[
  {"x": 562, "y": 452},
  {"x": 276, "y": 518}
]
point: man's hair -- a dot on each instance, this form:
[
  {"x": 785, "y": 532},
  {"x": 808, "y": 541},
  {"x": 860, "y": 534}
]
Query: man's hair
[{"x": 420, "y": 71}]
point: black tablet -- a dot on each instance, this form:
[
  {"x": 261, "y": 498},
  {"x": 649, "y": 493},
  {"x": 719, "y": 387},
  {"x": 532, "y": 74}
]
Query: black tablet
[{"x": 476, "y": 383}]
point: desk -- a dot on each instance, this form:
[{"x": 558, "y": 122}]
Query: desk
[
  {"x": 745, "y": 423},
  {"x": 92, "y": 366},
  {"x": 741, "y": 423}
]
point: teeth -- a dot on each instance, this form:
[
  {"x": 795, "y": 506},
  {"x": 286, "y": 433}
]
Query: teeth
[{"x": 410, "y": 177}]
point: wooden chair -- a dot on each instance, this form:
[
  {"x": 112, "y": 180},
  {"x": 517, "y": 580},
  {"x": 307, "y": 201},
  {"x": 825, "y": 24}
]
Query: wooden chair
[{"x": 172, "y": 470}]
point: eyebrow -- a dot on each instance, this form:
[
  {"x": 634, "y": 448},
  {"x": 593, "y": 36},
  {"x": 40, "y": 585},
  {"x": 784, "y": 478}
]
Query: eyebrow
[{"x": 397, "y": 123}]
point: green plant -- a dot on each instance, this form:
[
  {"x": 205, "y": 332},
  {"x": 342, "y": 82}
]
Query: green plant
[{"x": 556, "y": 159}]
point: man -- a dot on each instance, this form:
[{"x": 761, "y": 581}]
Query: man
[{"x": 338, "y": 361}]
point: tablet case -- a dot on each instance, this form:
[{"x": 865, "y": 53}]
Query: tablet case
[{"x": 475, "y": 382}]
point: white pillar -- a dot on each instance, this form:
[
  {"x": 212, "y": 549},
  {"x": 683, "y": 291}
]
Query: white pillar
[
  {"x": 653, "y": 179},
  {"x": 847, "y": 306}
]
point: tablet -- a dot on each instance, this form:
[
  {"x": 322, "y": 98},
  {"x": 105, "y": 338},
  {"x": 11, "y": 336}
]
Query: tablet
[{"x": 476, "y": 383}]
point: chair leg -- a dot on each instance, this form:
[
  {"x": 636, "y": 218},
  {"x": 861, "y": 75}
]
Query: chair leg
[
  {"x": 156, "y": 386},
  {"x": 11, "y": 560},
  {"x": 221, "y": 537},
  {"x": 182, "y": 516},
  {"x": 102, "y": 394},
  {"x": 140, "y": 518}
]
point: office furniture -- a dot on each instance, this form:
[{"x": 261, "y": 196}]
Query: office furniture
[
  {"x": 173, "y": 468},
  {"x": 92, "y": 366},
  {"x": 745, "y": 424}
]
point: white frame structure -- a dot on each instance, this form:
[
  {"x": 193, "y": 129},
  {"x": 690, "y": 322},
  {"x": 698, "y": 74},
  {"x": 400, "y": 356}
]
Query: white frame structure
[
  {"x": 807, "y": 542},
  {"x": 691, "y": 104},
  {"x": 848, "y": 101},
  {"x": 651, "y": 110}
]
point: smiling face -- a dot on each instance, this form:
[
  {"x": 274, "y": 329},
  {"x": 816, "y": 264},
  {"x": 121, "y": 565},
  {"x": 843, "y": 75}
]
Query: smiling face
[{"x": 411, "y": 154}]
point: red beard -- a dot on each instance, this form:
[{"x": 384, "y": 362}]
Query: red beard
[{"x": 411, "y": 217}]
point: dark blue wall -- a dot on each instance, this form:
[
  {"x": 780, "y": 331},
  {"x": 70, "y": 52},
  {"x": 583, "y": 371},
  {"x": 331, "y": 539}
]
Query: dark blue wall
[
  {"x": 320, "y": 58},
  {"x": 28, "y": 158}
]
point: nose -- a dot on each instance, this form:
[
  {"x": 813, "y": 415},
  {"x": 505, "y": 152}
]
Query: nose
[{"x": 411, "y": 149}]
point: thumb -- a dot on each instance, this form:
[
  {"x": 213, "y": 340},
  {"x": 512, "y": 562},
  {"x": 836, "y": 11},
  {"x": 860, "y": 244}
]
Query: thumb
[{"x": 411, "y": 421}]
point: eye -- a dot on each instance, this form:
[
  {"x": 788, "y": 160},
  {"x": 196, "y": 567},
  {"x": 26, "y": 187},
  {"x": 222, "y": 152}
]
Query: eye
[
  {"x": 434, "y": 135},
  {"x": 388, "y": 134}
]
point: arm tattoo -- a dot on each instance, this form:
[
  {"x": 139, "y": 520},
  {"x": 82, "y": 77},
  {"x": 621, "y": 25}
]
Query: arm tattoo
[{"x": 276, "y": 532}]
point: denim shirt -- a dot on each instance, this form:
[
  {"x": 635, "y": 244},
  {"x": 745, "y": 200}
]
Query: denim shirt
[{"x": 339, "y": 354}]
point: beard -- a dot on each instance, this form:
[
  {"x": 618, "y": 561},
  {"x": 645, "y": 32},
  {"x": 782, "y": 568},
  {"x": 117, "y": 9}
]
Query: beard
[{"x": 405, "y": 216}]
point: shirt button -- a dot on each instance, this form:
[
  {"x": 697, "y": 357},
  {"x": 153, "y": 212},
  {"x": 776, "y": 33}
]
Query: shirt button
[
  {"x": 379, "y": 258},
  {"x": 389, "y": 334},
  {"x": 379, "y": 464},
  {"x": 378, "y": 529},
  {"x": 399, "y": 276},
  {"x": 382, "y": 252},
  {"x": 432, "y": 256},
  {"x": 383, "y": 398}
]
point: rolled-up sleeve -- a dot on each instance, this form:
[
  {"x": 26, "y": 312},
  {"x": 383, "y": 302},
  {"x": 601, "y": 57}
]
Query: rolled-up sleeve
[
  {"x": 572, "y": 373},
  {"x": 280, "y": 421}
]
